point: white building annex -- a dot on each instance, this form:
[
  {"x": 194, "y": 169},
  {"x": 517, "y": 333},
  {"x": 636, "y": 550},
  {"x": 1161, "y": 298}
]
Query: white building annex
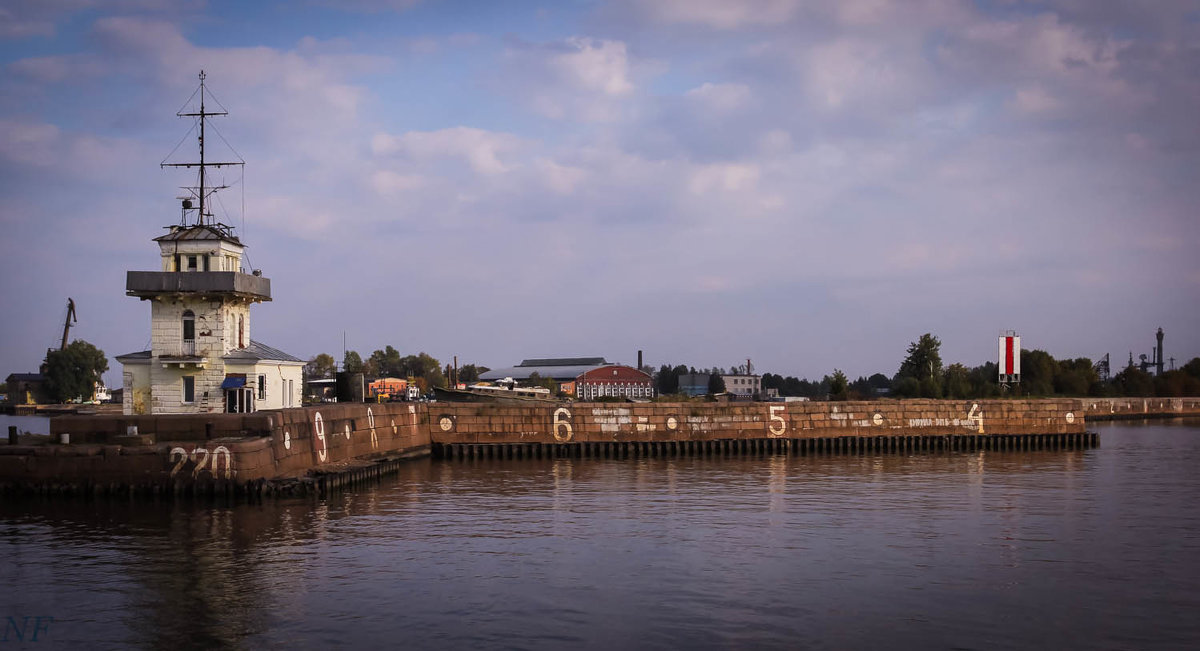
[{"x": 202, "y": 358}]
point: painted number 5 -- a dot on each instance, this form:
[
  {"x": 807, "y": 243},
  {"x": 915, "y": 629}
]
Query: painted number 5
[
  {"x": 562, "y": 424},
  {"x": 777, "y": 425}
]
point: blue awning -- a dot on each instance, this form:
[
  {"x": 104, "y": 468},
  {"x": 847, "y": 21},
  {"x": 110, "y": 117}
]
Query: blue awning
[{"x": 232, "y": 382}]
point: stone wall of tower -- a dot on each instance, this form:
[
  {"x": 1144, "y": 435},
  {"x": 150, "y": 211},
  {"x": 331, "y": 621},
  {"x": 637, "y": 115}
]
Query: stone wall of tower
[
  {"x": 217, "y": 333},
  {"x": 217, "y": 326}
]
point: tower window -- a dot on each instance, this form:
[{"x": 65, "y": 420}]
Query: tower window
[
  {"x": 192, "y": 263},
  {"x": 189, "y": 388},
  {"x": 189, "y": 326}
]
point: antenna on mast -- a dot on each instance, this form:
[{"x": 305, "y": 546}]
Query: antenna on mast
[{"x": 204, "y": 191}]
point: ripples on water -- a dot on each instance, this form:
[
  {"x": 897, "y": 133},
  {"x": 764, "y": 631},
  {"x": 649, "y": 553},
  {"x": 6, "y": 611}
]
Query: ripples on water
[{"x": 1078, "y": 549}]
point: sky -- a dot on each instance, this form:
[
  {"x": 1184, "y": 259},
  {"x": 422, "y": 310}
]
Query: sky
[{"x": 810, "y": 185}]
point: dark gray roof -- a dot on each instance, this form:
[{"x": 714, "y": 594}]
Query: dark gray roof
[
  {"x": 198, "y": 232},
  {"x": 259, "y": 351},
  {"x": 564, "y": 361},
  {"x": 131, "y": 357},
  {"x": 24, "y": 377},
  {"x": 559, "y": 373}
]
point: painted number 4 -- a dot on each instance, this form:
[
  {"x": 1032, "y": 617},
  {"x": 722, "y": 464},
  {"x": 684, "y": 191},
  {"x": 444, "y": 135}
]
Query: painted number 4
[{"x": 976, "y": 416}]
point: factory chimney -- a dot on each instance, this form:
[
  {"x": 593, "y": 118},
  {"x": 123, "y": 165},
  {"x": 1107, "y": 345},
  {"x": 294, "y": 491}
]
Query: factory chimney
[{"x": 1159, "y": 359}]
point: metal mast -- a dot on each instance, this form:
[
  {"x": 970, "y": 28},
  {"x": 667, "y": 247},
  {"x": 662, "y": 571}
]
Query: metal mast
[{"x": 203, "y": 115}]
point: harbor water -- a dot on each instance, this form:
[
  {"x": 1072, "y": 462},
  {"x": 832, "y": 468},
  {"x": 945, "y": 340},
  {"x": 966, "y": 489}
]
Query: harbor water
[{"x": 1086, "y": 549}]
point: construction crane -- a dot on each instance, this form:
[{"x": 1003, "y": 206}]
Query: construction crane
[{"x": 70, "y": 317}]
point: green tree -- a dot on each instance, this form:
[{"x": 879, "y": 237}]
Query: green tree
[
  {"x": 469, "y": 373},
  {"x": 352, "y": 362},
  {"x": 838, "y": 386},
  {"x": 321, "y": 366},
  {"x": 536, "y": 380},
  {"x": 386, "y": 362},
  {"x": 1133, "y": 381},
  {"x": 1037, "y": 373},
  {"x": 1192, "y": 368},
  {"x": 924, "y": 364},
  {"x": 1075, "y": 377},
  {"x": 424, "y": 367},
  {"x": 72, "y": 373},
  {"x": 958, "y": 382},
  {"x": 1176, "y": 384},
  {"x": 906, "y": 387},
  {"x": 666, "y": 381},
  {"x": 716, "y": 384},
  {"x": 985, "y": 380}
]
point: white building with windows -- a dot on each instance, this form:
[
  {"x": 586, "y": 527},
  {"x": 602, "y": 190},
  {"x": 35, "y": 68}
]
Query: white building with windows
[
  {"x": 743, "y": 385},
  {"x": 202, "y": 358}
]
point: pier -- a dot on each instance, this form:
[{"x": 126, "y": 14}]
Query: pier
[{"x": 324, "y": 448}]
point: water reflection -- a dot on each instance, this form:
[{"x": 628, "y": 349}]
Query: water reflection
[{"x": 981, "y": 549}]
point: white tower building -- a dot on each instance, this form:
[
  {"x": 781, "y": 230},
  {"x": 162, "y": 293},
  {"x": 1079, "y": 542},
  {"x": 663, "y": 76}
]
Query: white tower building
[{"x": 201, "y": 356}]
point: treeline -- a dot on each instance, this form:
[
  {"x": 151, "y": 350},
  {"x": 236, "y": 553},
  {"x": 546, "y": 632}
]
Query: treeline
[
  {"x": 424, "y": 369},
  {"x": 923, "y": 375}
]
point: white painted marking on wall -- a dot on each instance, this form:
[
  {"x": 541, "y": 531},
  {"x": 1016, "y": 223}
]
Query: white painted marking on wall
[
  {"x": 319, "y": 430},
  {"x": 446, "y": 424},
  {"x": 672, "y": 423},
  {"x": 201, "y": 462},
  {"x": 877, "y": 419},
  {"x": 216, "y": 456},
  {"x": 287, "y": 440},
  {"x": 346, "y": 430},
  {"x": 1070, "y": 417},
  {"x": 183, "y": 455},
  {"x": 977, "y": 417},
  {"x": 777, "y": 424},
  {"x": 395, "y": 430},
  {"x": 562, "y": 425}
]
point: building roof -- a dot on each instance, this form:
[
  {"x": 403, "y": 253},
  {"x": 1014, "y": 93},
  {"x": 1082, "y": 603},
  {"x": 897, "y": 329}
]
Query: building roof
[
  {"x": 200, "y": 232},
  {"x": 614, "y": 373},
  {"x": 24, "y": 377},
  {"x": 564, "y": 361},
  {"x": 558, "y": 373},
  {"x": 257, "y": 351},
  {"x": 139, "y": 356}
]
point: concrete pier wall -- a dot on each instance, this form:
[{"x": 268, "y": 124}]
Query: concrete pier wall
[
  {"x": 596, "y": 422},
  {"x": 1132, "y": 408},
  {"x": 326, "y": 447}
]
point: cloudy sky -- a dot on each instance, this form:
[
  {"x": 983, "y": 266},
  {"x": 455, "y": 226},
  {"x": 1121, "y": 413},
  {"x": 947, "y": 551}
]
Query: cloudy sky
[{"x": 808, "y": 184}]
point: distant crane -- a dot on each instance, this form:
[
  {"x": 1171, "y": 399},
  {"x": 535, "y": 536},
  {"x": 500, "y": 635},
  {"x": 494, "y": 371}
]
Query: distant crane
[{"x": 70, "y": 318}]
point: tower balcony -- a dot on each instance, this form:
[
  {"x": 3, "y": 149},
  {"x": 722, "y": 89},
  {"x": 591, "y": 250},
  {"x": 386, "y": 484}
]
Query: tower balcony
[{"x": 152, "y": 284}]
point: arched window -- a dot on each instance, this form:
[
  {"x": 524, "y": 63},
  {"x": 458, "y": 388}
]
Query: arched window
[{"x": 189, "y": 326}]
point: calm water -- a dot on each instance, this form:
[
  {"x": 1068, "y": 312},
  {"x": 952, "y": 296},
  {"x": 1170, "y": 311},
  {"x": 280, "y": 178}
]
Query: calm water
[{"x": 1094, "y": 549}]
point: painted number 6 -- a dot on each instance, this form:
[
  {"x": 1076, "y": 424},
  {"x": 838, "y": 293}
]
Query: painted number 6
[{"x": 562, "y": 425}]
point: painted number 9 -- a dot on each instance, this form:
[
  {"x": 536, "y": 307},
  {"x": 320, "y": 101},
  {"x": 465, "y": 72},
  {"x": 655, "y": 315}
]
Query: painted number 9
[{"x": 562, "y": 424}]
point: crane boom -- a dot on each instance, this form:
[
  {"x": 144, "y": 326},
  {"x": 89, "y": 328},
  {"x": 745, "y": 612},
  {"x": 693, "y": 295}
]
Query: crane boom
[{"x": 67, "y": 326}]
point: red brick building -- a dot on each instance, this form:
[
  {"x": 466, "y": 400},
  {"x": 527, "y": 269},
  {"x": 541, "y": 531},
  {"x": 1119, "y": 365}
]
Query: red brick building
[{"x": 614, "y": 380}]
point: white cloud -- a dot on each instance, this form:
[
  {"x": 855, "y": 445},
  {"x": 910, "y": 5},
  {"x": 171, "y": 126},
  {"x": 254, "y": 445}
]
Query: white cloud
[
  {"x": 720, "y": 98},
  {"x": 578, "y": 78},
  {"x": 720, "y": 14},
  {"x": 481, "y": 150}
]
